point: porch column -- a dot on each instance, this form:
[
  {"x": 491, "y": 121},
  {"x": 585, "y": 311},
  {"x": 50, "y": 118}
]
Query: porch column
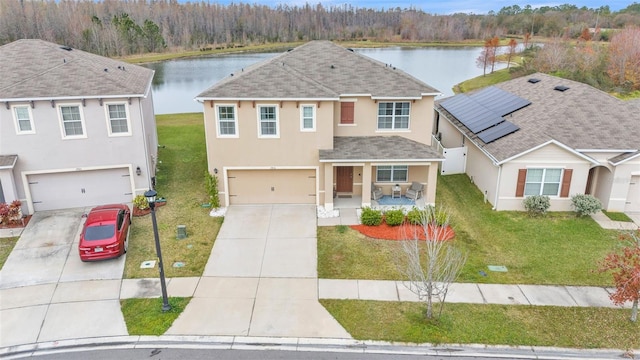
[
  {"x": 366, "y": 185},
  {"x": 430, "y": 194},
  {"x": 328, "y": 186}
]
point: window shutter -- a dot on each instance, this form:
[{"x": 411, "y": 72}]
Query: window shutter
[
  {"x": 346, "y": 113},
  {"x": 522, "y": 179},
  {"x": 566, "y": 183}
]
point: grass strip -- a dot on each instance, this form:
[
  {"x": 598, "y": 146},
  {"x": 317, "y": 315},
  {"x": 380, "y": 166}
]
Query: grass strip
[
  {"x": 6, "y": 246},
  {"x": 617, "y": 216},
  {"x": 572, "y": 327},
  {"x": 145, "y": 316}
]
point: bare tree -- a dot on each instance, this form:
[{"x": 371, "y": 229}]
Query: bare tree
[
  {"x": 512, "y": 50},
  {"x": 429, "y": 261}
]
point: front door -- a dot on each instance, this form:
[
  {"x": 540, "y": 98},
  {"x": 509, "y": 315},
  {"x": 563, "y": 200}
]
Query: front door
[{"x": 344, "y": 181}]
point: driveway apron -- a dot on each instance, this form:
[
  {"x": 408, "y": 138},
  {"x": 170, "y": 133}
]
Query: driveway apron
[
  {"x": 48, "y": 294},
  {"x": 261, "y": 278}
]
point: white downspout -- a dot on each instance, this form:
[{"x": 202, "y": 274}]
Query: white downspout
[{"x": 495, "y": 201}]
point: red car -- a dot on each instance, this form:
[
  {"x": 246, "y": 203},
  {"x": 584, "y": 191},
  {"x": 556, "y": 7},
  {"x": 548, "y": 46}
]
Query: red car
[{"x": 105, "y": 234}]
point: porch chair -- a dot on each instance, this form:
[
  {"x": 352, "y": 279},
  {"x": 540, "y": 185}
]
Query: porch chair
[
  {"x": 376, "y": 192},
  {"x": 414, "y": 191}
]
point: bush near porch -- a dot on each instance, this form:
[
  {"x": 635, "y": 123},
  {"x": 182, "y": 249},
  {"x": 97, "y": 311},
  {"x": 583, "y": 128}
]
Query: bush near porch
[{"x": 558, "y": 248}]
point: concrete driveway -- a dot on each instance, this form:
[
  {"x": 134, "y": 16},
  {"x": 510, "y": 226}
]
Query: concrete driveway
[
  {"x": 47, "y": 293},
  {"x": 261, "y": 278}
]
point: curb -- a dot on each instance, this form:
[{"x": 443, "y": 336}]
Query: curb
[{"x": 310, "y": 345}]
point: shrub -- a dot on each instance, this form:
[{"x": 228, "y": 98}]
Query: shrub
[
  {"x": 537, "y": 204},
  {"x": 415, "y": 216},
  {"x": 371, "y": 217},
  {"x": 212, "y": 189},
  {"x": 585, "y": 204},
  {"x": 141, "y": 202},
  {"x": 394, "y": 217}
]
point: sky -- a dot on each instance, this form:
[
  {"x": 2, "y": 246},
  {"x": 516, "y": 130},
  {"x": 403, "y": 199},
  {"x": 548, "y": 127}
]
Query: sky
[{"x": 443, "y": 7}]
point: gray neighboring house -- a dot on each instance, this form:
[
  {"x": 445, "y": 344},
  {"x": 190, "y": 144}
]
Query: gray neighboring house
[
  {"x": 543, "y": 135},
  {"x": 76, "y": 129}
]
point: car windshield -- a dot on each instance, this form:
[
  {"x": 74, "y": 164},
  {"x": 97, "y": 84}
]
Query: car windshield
[{"x": 100, "y": 232}]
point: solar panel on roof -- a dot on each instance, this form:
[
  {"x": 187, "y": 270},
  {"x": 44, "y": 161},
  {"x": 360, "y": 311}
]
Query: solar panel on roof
[
  {"x": 500, "y": 101},
  {"x": 494, "y": 133}
]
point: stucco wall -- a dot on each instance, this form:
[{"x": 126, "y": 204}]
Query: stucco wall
[{"x": 482, "y": 172}]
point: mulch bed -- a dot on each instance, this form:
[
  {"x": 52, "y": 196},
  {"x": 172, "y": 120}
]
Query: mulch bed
[
  {"x": 386, "y": 232},
  {"x": 138, "y": 212},
  {"x": 17, "y": 224}
]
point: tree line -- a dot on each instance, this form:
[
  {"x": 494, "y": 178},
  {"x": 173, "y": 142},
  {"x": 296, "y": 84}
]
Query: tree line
[{"x": 123, "y": 27}]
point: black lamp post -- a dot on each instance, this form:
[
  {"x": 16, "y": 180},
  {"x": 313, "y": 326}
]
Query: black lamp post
[{"x": 151, "y": 198}]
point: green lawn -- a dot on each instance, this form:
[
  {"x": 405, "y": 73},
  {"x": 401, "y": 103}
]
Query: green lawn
[
  {"x": 488, "y": 324},
  {"x": 557, "y": 249},
  {"x": 180, "y": 179},
  {"x": 145, "y": 316},
  {"x": 617, "y": 216},
  {"x": 6, "y": 245}
]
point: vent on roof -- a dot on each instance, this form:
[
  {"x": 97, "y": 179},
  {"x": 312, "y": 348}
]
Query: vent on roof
[
  {"x": 534, "y": 80},
  {"x": 561, "y": 88},
  {"x": 350, "y": 49},
  {"x": 66, "y": 48}
]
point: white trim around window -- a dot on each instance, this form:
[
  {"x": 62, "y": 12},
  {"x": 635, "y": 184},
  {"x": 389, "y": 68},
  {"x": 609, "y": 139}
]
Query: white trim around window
[
  {"x": 394, "y": 115},
  {"x": 543, "y": 181},
  {"x": 392, "y": 173},
  {"x": 118, "y": 119},
  {"x": 227, "y": 121},
  {"x": 268, "y": 123},
  {"x": 23, "y": 119},
  {"x": 71, "y": 121},
  {"x": 308, "y": 117}
]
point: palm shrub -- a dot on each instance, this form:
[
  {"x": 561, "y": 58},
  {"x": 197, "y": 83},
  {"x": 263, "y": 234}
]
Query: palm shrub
[
  {"x": 415, "y": 216},
  {"x": 394, "y": 217},
  {"x": 537, "y": 204},
  {"x": 584, "y": 204},
  {"x": 212, "y": 189},
  {"x": 371, "y": 217}
]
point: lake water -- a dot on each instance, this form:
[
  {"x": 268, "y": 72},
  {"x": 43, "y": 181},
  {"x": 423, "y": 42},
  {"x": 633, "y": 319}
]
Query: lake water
[{"x": 177, "y": 82}]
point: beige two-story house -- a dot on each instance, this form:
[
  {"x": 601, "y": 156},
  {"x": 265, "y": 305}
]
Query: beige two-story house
[
  {"x": 76, "y": 129},
  {"x": 317, "y": 122}
]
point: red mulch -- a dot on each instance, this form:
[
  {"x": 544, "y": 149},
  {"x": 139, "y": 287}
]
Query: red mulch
[
  {"x": 138, "y": 212},
  {"x": 386, "y": 232},
  {"x": 17, "y": 224}
]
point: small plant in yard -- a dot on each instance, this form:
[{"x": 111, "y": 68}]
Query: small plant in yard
[
  {"x": 394, "y": 217},
  {"x": 371, "y": 217},
  {"x": 537, "y": 205},
  {"x": 212, "y": 189},
  {"x": 625, "y": 268},
  {"x": 11, "y": 212},
  {"x": 342, "y": 229},
  {"x": 141, "y": 202},
  {"x": 414, "y": 216},
  {"x": 585, "y": 204}
]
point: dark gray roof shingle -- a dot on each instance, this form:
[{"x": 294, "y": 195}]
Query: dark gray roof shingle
[
  {"x": 318, "y": 69},
  {"x": 581, "y": 118},
  {"x": 33, "y": 69},
  {"x": 380, "y": 148}
]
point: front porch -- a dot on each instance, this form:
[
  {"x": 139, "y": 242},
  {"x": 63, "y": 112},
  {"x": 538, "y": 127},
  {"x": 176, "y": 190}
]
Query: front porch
[{"x": 384, "y": 203}]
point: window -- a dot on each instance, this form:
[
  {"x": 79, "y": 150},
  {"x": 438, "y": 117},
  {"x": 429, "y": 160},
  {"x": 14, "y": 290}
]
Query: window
[
  {"x": 393, "y": 115},
  {"x": 347, "y": 113},
  {"x": 72, "y": 123},
  {"x": 307, "y": 118},
  {"x": 227, "y": 122},
  {"x": 393, "y": 173},
  {"x": 268, "y": 121},
  {"x": 117, "y": 119},
  {"x": 543, "y": 182},
  {"x": 22, "y": 115}
]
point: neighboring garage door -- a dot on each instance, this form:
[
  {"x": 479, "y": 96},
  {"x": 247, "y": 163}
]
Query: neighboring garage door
[
  {"x": 633, "y": 197},
  {"x": 80, "y": 188},
  {"x": 272, "y": 186}
]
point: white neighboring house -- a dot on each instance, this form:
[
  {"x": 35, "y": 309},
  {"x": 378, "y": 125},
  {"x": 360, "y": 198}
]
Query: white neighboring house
[
  {"x": 543, "y": 135},
  {"x": 76, "y": 129}
]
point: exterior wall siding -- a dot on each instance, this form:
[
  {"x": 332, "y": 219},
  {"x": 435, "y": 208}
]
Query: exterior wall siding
[{"x": 482, "y": 172}]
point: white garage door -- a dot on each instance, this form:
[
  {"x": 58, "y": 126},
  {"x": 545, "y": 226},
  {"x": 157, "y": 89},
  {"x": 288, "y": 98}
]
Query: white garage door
[
  {"x": 272, "y": 186},
  {"x": 633, "y": 197},
  {"x": 80, "y": 188}
]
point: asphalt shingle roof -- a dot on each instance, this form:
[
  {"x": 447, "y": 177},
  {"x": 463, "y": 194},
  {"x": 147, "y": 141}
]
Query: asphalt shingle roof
[
  {"x": 37, "y": 69},
  {"x": 581, "y": 118},
  {"x": 7, "y": 161},
  {"x": 317, "y": 70},
  {"x": 381, "y": 148}
]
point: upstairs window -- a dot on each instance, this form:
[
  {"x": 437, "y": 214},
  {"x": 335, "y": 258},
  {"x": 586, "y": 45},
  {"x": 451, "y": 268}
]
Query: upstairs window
[
  {"x": 118, "y": 120},
  {"x": 72, "y": 122},
  {"x": 307, "y": 118},
  {"x": 393, "y": 115},
  {"x": 347, "y": 113},
  {"x": 267, "y": 121},
  {"x": 227, "y": 122},
  {"x": 23, "y": 121}
]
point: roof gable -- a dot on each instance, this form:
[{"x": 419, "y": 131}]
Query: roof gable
[
  {"x": 318, "y": 69},
  {"x": 36, "y": 69}
]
